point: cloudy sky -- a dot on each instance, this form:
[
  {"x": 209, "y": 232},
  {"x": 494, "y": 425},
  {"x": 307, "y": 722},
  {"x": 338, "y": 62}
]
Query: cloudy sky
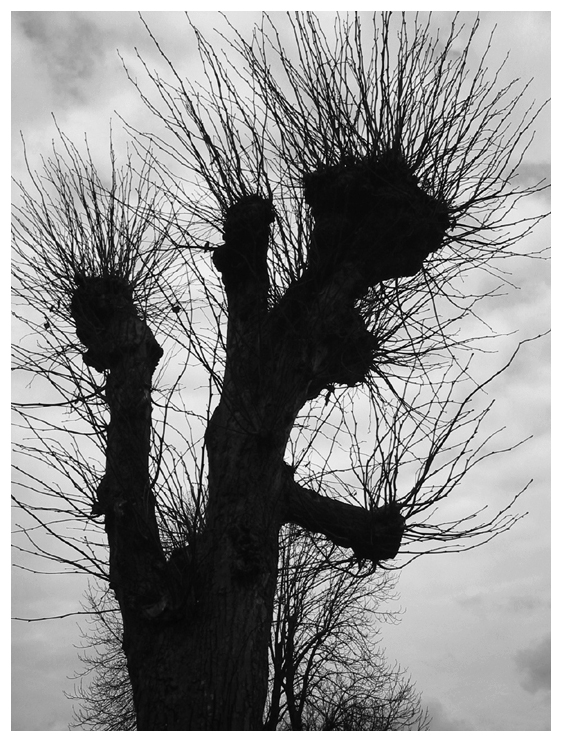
[{"x": 475, "y": 630}]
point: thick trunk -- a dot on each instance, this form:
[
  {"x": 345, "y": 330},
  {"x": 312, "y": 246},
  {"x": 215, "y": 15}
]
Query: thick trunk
[
  {"x": 201, "y": 664},
  {"x": 207, "y": 669}
]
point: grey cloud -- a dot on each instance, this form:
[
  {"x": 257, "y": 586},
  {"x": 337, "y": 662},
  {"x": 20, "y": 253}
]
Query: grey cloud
[
  {"x": 473, "y": 602},
  {"x": 69, "y": 46},
  {"x": 443, "y": 721},
  {"x": 481, "y": 603},
  {"x": 530, "y": 173},
  {"x": 525, "y": 603},
  {"x": 534, "y": 664}
]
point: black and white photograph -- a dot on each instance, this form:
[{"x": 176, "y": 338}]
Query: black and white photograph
[{"x": 280, "y": 370}]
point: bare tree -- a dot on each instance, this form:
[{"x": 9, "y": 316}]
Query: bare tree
[
  {"x": 104, "y": 690},
  {"x": 297, "y": 246},
  {"x": 327, "y": 670}
]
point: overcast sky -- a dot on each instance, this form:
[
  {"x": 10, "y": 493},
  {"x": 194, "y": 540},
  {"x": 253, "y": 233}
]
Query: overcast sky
[{"x": 475, "y": 632}]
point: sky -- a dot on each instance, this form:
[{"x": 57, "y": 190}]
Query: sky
[{"x": 475, "y": 628}]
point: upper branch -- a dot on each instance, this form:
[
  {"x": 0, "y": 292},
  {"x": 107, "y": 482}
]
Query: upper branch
[{"x": 120, "y": 342}]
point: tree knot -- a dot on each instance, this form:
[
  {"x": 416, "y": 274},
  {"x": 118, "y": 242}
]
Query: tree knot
[{"x": 108, "y": 324}]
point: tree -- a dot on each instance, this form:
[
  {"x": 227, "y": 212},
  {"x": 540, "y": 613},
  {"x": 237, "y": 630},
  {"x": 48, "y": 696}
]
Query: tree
[
  {"x": 341, "y": 197},
  {"x": 104, "y": 690},
  {"x": 327, "y": 671},
  {"x": 326, "y": 668}
]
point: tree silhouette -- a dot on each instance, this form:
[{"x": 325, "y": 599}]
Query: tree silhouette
[
  {"x": 294, "y": 238},
  {"x": 327, "y": 671}
]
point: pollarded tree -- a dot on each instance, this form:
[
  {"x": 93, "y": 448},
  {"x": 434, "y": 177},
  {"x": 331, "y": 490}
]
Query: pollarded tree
[{"x": 300, "y": 234}]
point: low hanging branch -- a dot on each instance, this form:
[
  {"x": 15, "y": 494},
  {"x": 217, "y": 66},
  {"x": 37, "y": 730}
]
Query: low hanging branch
[{"x": 375, "y": 534}]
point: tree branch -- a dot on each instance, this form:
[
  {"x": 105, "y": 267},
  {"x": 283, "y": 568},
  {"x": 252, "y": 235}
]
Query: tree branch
[{"x": 372, "y": 534}]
